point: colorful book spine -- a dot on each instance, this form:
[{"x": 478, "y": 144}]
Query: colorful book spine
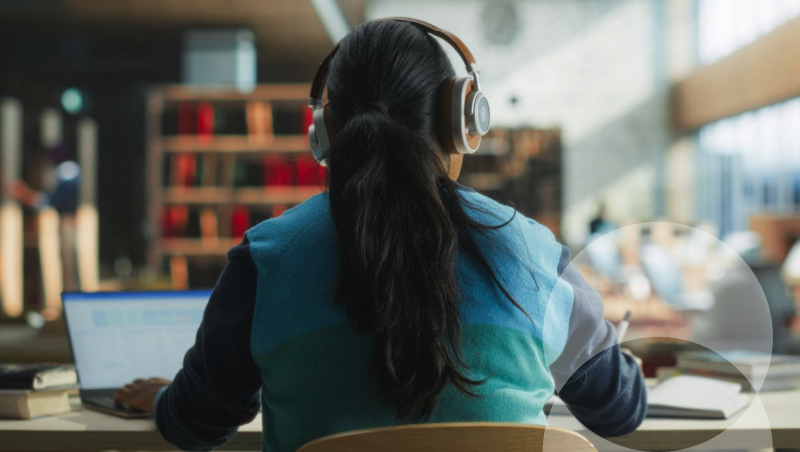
[
  {"x": 309, "y": 172},
  {"x": 185, "y": 165},
  {"x": 259, "y": 121},
  {"x": 175, "y": 221},
  {"x": 278, "y": 171},
  {"x": 240, "y": 220},
  {"x": 187, "y": 115},
  {"x": 205, "y": 120}
]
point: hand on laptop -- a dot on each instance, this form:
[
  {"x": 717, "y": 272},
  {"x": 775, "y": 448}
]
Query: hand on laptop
[{"x": 141, "y": 394}]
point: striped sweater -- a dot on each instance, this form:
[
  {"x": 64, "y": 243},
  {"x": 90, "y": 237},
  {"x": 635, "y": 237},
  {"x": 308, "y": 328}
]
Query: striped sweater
[{"x": 273, "y": 338}]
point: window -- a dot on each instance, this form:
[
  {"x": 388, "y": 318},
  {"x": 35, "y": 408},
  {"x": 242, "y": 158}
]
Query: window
[
  {"x": 747, "y": 164},
  {"x": 725, "y": 26}
]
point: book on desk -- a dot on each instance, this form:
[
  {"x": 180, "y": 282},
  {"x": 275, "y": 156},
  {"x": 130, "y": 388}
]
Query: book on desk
[
  {"x": 32, "y": 390},
  {"x": 769, "y": 372},
  {"x": 692, "y": 397},
  {"x": 685, "y": 396}
]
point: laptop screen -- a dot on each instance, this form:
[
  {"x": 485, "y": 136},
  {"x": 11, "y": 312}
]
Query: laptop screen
[{"x": 119, "y": 337}]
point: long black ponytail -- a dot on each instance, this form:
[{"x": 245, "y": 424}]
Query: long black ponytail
[{"x": 399, "y": 217}]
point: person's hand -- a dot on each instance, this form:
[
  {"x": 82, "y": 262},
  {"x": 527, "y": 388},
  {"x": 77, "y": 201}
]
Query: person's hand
[
  {"x": 141, "y": 394},
  {"x": 638, "y": 360}
]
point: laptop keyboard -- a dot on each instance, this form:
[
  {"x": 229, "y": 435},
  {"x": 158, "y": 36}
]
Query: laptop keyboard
[{"x": 105, "y": 398}]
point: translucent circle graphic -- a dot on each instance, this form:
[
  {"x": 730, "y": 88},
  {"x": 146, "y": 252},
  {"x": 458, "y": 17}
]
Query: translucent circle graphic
[{"x": 696, "y": 292}]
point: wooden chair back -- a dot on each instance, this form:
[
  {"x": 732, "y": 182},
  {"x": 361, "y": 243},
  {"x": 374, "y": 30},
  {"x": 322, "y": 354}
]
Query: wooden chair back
[{"x": 461, "y": 437}]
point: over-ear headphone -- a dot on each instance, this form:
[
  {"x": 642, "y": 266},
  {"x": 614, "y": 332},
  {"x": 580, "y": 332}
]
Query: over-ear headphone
[{"x": 464, "y": 110}]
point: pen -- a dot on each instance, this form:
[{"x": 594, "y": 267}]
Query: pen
[{"x": 623, "y": 326}]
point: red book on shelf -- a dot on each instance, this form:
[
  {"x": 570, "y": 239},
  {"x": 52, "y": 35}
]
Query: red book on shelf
[
  {"x": 205, "y": 120},
  {"x": 185, "y": 170},
  {"x": 278, "y": 171},
  {"x": 187, "y": 118},
  {"x": 308, "y": 119},
  {"x": 309, "y": 172},
  {"x": 174, "y": 221},
  {"x": 240, "y": 222},
  {"x": 185, "y": 166}
]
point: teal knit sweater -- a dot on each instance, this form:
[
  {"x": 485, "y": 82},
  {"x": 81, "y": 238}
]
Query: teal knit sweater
[{"x": 272, "y": 337}]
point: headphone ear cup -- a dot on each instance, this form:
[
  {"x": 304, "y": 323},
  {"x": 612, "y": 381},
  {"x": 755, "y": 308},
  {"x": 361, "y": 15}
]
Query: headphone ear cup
[
  {"x": 318, "y": 136},
  {"x": 313, "y": 141},
  {"x": 478, "y": 114},
  {"x": 453, "y": 96}
]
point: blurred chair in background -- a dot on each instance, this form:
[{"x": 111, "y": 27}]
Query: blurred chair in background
[{"x": 750, "y": 297}]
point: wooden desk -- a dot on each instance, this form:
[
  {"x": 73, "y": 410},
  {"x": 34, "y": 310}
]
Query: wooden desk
[
  {"x": 88, "y": 430},
  {"x": 771, "y": 421},
  {"x": 92, "y": 431}
]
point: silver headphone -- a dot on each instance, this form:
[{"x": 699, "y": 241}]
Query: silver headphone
[{"x": 466, "y": 115}]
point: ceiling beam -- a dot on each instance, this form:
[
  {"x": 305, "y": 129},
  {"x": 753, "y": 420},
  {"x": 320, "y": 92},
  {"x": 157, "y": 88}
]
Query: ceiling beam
[{"x": 762, "y": 73}]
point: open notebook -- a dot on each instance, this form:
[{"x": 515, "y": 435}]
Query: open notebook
[
  {"x": 688, "y": 396},
  {"x": 685, "y": 396}
]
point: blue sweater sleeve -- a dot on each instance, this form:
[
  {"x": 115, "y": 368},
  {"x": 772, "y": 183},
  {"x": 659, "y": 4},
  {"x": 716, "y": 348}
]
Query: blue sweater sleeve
[
  {"x": 601, "y": 386},
  {"x": 217, "y": 390}
]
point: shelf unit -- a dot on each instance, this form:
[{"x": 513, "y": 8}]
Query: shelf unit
[
  {"x": 218, "y": 152},
  {"x": 522, "y": 165},
  {"x": 235, "y": 144}
]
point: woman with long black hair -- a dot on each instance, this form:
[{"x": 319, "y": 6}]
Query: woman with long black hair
[{"x": 398, "y": 295}]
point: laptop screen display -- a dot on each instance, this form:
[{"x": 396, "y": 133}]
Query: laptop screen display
[{"x": 119, "y": 337}]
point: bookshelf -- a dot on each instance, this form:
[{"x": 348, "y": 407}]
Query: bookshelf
[
  {"x": 235, "y": 145},
  {"x": 522, "y": 165},
  {"x": 218, "y": 162}
]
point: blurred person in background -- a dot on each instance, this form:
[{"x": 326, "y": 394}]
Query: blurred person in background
[
  {"x": 60, "y": 191},
  {"x": 599, "y": 224}
]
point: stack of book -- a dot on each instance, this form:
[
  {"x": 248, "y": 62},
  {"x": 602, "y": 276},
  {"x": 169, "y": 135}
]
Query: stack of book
[
  {"x": 778, "y": 372},
  {"x": 221, "y": 169},
  {"x": 33, "y": 390},
  {"x": 220, "y": 162}
]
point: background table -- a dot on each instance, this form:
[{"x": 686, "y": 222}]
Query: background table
[{"x": 87, "y": 430}]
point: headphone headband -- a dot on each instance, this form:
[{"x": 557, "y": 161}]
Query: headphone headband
[
  {"x": 318, "y": 86},
  {"x": 464, "y": 110}
]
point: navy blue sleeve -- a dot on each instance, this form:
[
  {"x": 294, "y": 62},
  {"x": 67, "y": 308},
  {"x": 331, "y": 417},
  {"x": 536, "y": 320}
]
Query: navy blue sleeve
[
  {"x": 607, "y": 394},
  {"x": 602, "y": 387},
  {"x": 217, "y": 390}
]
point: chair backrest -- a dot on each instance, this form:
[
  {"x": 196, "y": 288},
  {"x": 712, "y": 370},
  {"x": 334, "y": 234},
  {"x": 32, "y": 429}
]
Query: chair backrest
[{"x": 461, "y": 437}]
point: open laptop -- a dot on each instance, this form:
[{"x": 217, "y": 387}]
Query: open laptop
[{"x": 117, "y": 337}]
